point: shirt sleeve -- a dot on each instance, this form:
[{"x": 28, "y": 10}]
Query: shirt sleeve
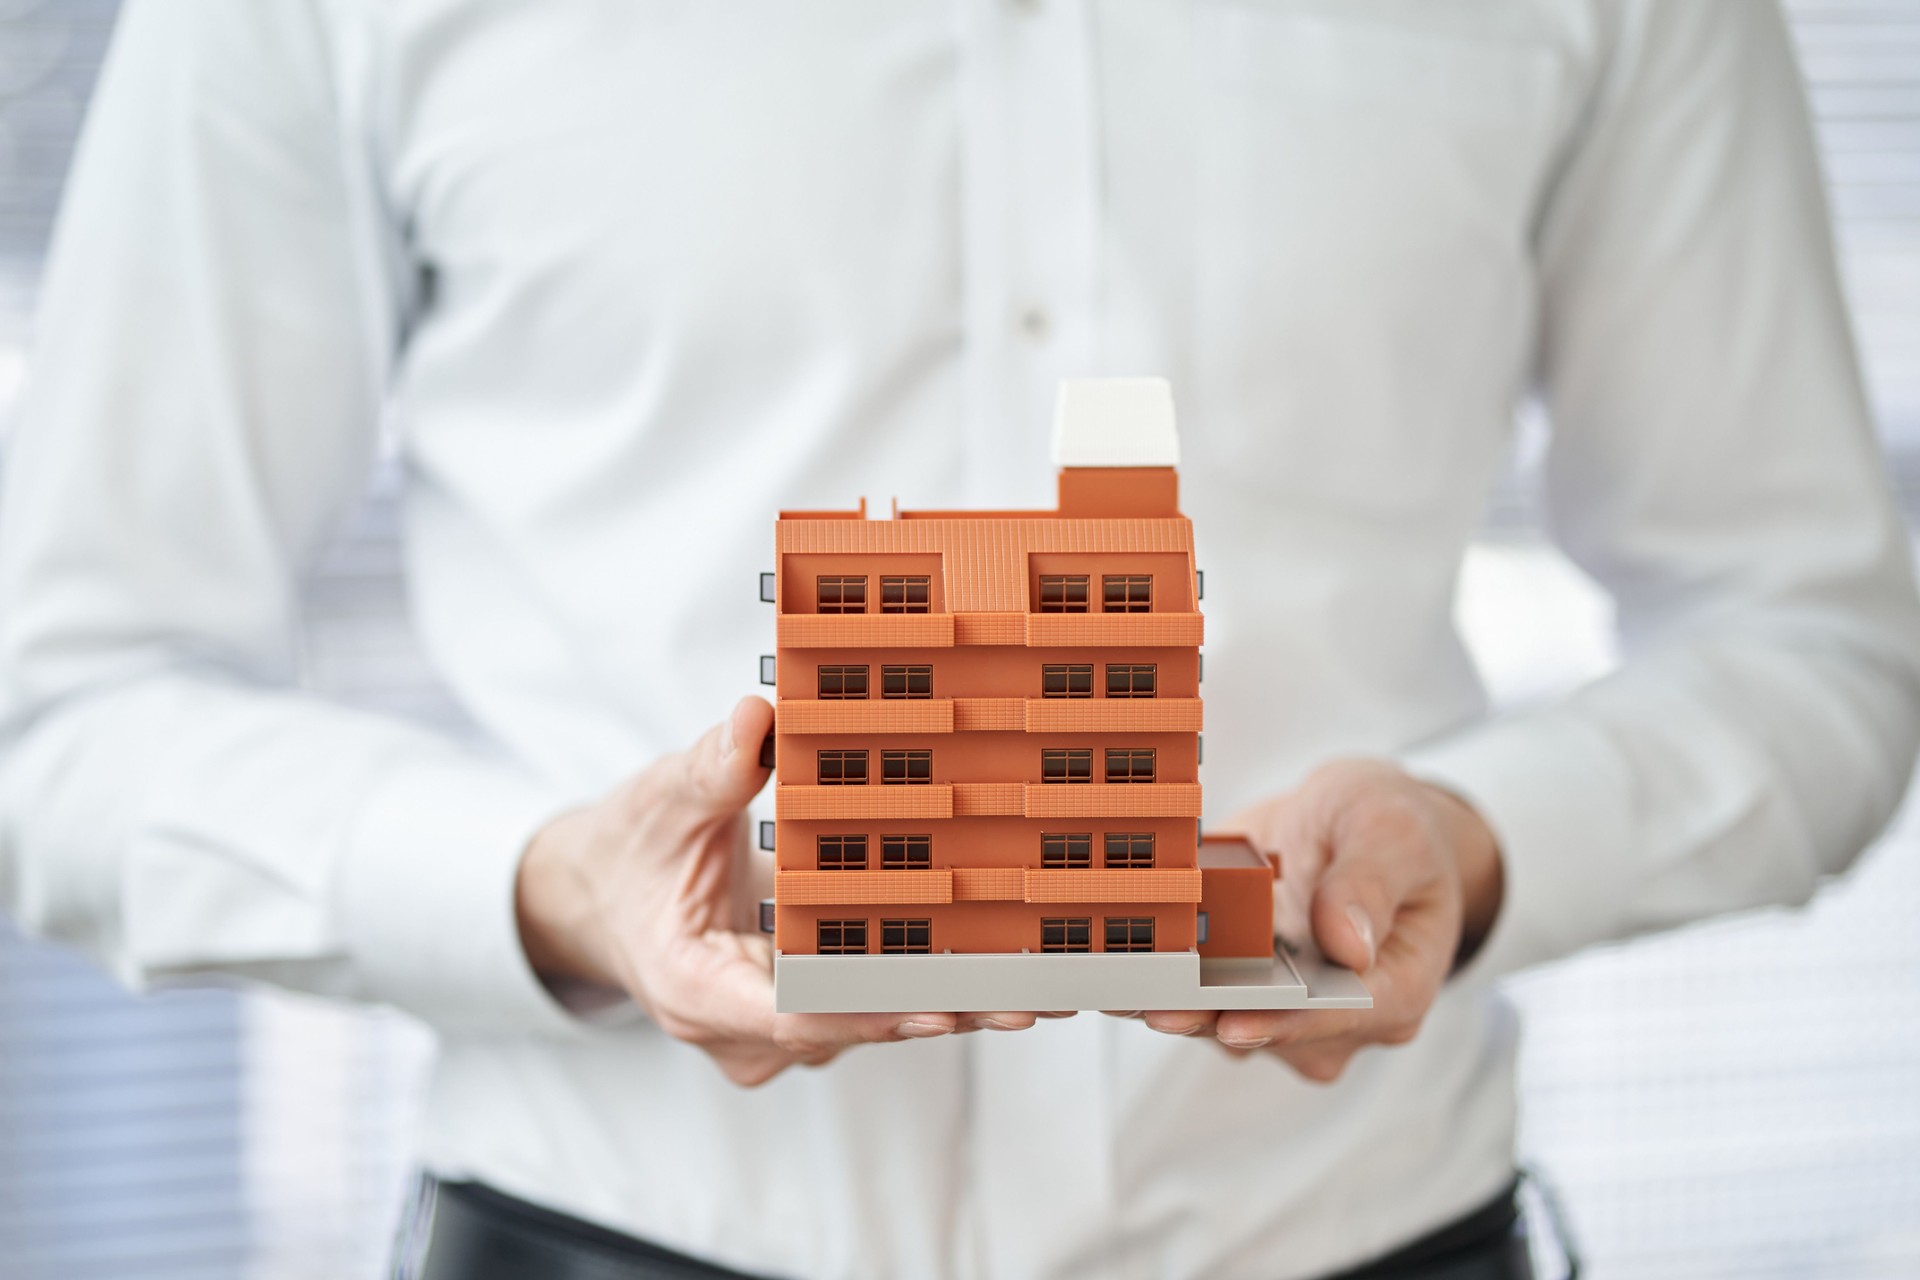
[
  {"x": 1713, "y": 465},
  {"x": 202, "y": 411}
]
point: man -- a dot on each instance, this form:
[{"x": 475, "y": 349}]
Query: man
[{"x": 629, "y": 277}]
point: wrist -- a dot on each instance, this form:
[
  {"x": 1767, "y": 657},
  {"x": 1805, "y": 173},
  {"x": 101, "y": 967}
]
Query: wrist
[{"x": 555, "y": 905}]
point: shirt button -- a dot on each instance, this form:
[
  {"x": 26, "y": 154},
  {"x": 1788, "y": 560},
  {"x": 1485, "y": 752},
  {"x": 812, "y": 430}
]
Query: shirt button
[
  {"x": 1035, "y": 324},
  {"x": 1025, "y": 6}
]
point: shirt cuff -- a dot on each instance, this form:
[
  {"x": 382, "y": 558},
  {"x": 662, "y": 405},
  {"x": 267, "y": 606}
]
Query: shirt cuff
[
  {"x": 1559, "y": 801},
  {"x": 427, "y": 888}
]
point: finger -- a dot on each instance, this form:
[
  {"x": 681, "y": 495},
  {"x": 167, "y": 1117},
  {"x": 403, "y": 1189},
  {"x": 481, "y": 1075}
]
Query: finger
[
  {"x": 723, "y": 771},
  {"x": 1264, "y": 1028},
  {"x": 1380, "y": 857},
  {"x": 802, "y": 1034},
  {"x": 997, "y": 1021},
  {"x": 1183, "y": 1022}
]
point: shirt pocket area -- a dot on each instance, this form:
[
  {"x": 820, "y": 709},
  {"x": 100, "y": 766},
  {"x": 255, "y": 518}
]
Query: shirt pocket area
[{"x": 1365, "y": 198}]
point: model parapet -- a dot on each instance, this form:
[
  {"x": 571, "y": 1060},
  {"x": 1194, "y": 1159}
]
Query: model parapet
[{"x": 987, "y": 752}]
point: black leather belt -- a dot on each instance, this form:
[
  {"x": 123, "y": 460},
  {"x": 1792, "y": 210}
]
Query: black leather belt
[{"x": 478, "y": 1233}]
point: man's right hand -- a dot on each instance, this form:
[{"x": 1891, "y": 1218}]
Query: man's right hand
[{"x": 646, "y": 892}]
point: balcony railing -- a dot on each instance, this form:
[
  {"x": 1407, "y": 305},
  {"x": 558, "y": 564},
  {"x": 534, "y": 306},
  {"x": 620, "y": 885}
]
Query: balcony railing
[{"x": 1033, "y": 630}]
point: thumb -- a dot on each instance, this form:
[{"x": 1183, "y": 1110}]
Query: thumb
[
  {"x": 1372, "y": 870},
  {"x": 723, "y": 770}
]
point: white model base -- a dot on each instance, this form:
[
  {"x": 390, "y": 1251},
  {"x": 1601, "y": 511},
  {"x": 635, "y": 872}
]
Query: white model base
[{"x": 950, "y": 983}]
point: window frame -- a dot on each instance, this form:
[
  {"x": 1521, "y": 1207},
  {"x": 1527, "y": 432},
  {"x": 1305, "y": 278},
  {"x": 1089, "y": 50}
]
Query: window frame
[
  {"x": 849, "y": 937},
  {"x": 1127, "y": 585},
  {"x": 1057, "y": 593},
  {"x": 1129, "y": 758},
  {"x": 849, "y": 853},
  {"x": 1067, "y": 674},
  {"x": 906, "y": 937},
  {"x": 916, "y": 766},
  {"x": 1134, "y": 933},
  {"x": 840, "y": 584},
  {"x": 1067, "y": 943},
  {"x": 841, "y": 757},
  {"x": 915, "y": 592},
  {"x": 1071, "y": 760},
  {"x": 915, "y": 681},
  {"x": 843, "y": 674},
  {"x": 906, "y": 852},
  {"x": 1066, "y": 850},
  {"x": 1129, "y": 677},
  {"x": 1128, "y": 850}
]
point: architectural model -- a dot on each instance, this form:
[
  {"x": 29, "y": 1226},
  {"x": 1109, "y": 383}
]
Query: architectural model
[{"x": 987, "y": 753}]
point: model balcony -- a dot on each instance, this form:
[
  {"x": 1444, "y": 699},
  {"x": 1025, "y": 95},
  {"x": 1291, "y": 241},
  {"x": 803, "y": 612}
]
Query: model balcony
[
  {"x": 1004, "y": 715},
  {"x": 1111, "y": 715},
  {"x": 865, "y": 631},
  {"x": 867, "y": 715},
  {"x": 1033, "y": 630},
  {"x": 1146, "y": 886},
  {"x": 1111, "y": 800},
  {"x": 831, "y": 804}
]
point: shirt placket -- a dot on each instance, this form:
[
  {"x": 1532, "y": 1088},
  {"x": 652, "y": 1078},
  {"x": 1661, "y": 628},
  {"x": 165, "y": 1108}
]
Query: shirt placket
[
  {"x": 1030, "y": 228},
  {"x": 1040, "y": 1101}
]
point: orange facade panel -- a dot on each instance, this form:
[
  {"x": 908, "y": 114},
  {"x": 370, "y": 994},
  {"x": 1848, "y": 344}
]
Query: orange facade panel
[
  {"x": 830, "y": 804},
  {"x": 1100, "y": 800},
  {"x": 865, "y": 631},
  {"x": 1097, "y": 886},
  {"x": 862, "y": 888},
  {"x": 985, "y": 553},
  {"x": 1009, "y": 715},
  {"x": 990, "y": 628},
  {"x": 862, "y": 715},
  {"x": 1115, "y": 630},
  {"x": 988, "y": 884},
  {"x": 989, "y": 799},
  {"x": 1112, "y": 715}
]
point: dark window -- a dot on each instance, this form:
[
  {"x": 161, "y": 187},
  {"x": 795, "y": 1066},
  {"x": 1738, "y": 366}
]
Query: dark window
[
  {"x": 1136, "y": 681},
  {"x": 843, "y": 595},
  {"x": 843, "y": 768},
  {"x": 851, "y": 682},
  {"x": 1129, "y": 933},
  {"x": 906, "y": 853},
  {"x": 1072, "y": 681},
  {"x": 1129, "y": 848},
  {"x": 1126, "y": 593},
  {"x": 845, "y": 938},
  {"x": 843, "y": 853},
  {"x": 906, "y": 766},
  {"x": 1066, "y": 765},
  {"x": 1066, "y": 933},
  {"x": 906, "y": 937},
  {"x": 1063, "y": 593},
  {"x": 905, "y": 595},
  {"x": 1129, "y": 764},
  {"x": 906, "y": 682},
  {"x": 1070, "y": 851}
]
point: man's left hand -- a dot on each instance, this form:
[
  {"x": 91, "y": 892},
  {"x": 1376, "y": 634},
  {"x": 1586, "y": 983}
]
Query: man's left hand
[{"x": 1391, "y": 876}]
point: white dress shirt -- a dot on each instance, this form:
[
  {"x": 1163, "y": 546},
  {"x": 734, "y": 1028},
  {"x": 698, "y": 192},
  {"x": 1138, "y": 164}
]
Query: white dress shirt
[{"x": 626, "y": 277}]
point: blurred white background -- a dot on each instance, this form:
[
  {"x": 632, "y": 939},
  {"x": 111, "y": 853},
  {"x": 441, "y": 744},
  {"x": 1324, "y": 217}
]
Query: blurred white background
[{"x": 1738, "y": 1100}]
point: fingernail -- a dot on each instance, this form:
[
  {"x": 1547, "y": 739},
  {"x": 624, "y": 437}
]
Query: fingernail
[
  {"x": 726, "y": 739},
  {"x": 923, "y": 1030},
  {"x": 994, "y": 1024},
  {"x": 1179, "y": 1031},
  {"x": 1363, "y": 927},
  {"x": 1261, "y": 1043}
]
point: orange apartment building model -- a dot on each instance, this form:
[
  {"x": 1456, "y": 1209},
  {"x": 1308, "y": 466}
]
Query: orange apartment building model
[{"x": 987, "y": 753}]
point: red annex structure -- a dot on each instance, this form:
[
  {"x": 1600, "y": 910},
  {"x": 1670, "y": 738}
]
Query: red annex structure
[{"x": 987, "y": 753}]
